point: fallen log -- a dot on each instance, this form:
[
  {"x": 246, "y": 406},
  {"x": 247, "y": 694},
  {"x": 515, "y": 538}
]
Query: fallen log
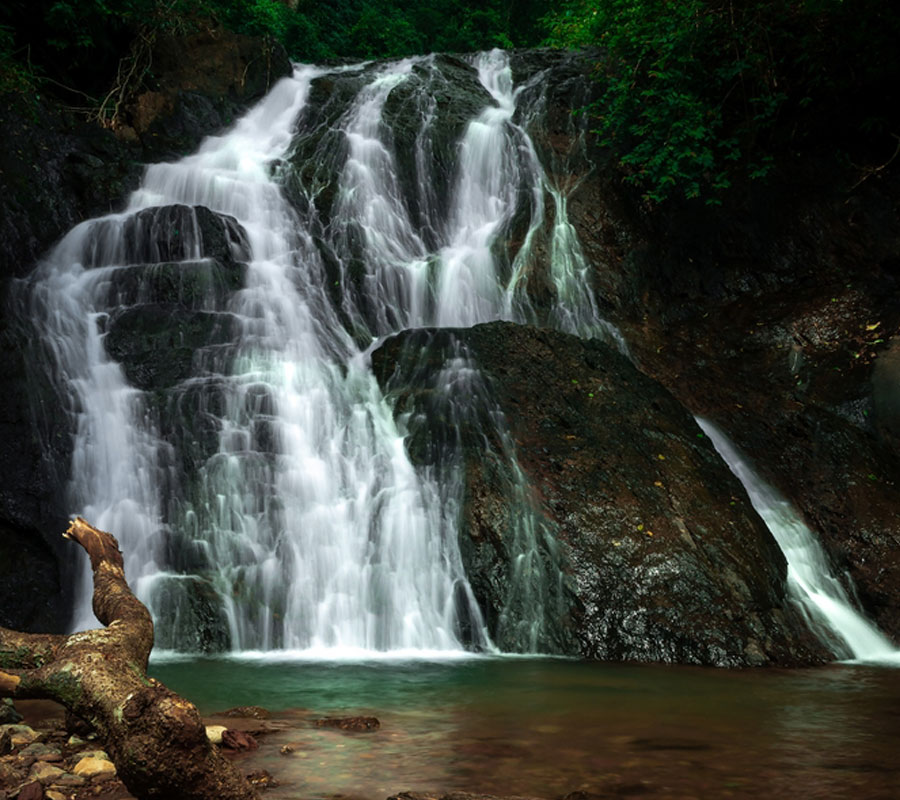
[{"x": 155, "y": 738}]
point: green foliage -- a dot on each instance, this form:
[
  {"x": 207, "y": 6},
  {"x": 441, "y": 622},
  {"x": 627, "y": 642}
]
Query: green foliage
[
  {"x": 689, "y": 86},
  {"x": 80, "y": 42},
  {"x": 696, "y": 92},
  {"x": 15, "y": 76}
]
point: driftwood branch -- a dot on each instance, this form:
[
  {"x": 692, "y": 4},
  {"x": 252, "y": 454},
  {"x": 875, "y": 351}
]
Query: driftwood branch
[{"x": 156, "y": 739}]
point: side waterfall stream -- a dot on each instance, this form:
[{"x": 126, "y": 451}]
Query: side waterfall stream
[{"x": 820, "y": 595}]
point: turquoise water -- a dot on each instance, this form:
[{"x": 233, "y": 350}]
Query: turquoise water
[{"x": 544, "y": 727}]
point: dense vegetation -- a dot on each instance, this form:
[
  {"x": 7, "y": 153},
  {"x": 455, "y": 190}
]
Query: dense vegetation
[
  {"x": 65, "y": 38},
  {"x": 698, "y": 94},
  {"x": 694, "y": 95}
]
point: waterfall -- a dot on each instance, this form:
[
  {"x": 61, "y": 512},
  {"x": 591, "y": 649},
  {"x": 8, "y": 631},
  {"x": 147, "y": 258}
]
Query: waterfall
[
  {"x": 818, "y": 593},
  {"x": 260, "y": 488}
]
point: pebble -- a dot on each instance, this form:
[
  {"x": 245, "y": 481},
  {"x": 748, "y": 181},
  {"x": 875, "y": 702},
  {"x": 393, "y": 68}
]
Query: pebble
[
  {"x": 91, "y": 767},
  {"x": 94, "y": 754},
  {"x": 31, "y": 791},
  {"x": 45, "y": 773},
  {"x": 262, "y": 779},
  {"x": 69, "y": 780},
  {"x": 214, "y": 733},
  {"x": 52, "y": 794},
  {"x": 37, "y": 749}
]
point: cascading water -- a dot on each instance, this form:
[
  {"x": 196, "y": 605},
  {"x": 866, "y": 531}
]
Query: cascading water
[
  {"x": 817, "y": 591},
  {"x": 524, "y": 554},
  {"x": 260, "y": 489}
]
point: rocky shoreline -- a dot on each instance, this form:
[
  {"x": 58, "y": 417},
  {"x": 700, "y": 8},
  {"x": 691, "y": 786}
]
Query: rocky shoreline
[{"x": 41, "y": 759}]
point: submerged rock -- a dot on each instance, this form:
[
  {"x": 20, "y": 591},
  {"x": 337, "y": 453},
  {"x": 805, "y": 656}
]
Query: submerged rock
[
  {"x": 238, "y": 740},
  {"x": 246, "y": 712},
  {"x": 350, "y": 723},
  {"x": 664, "y": 559}
]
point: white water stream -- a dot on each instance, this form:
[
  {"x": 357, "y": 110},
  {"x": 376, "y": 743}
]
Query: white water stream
[
  {"x": 818, "y": 592},
  {"x": 307, "y": 527}
]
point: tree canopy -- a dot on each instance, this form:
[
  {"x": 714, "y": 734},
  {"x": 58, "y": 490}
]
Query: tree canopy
[
  {"x": 698, "y": 94},
  {"x": 693, "y": 95}
]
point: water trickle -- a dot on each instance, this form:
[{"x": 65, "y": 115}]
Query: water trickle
[{"x": 817, "y": 591}]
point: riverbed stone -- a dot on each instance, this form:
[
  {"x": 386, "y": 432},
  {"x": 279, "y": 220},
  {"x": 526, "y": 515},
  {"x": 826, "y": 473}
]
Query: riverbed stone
[
  {"x": 13, "y": 736},
  {"x": 45, "y": 773},
  {"x": 31, "y": 791},
  {"x": 94, "y": 767},
  {"x": 214, "y": 733},
  {"x": 40, "y": 751},
  {"x": 8, "y": 713}
]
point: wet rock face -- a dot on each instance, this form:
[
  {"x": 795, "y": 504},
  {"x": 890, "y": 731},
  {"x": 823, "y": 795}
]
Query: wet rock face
[
  {"x": 456, "y": 99},
  {"x": 194, "y": 96},
  {"x": 667, "y": 558},
  {"x": 30, "y": 582},
  {"x": 776, "y": 319},
  {"x": 789, "y": 380},
  {"x": 167, "y": 233}
]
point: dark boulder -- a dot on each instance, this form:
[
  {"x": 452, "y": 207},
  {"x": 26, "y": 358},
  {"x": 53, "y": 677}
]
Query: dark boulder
[
  {"x": 156, "y": 343},
  {"x": 163, "y": 234},
  {"x": 667, "y": 558}
]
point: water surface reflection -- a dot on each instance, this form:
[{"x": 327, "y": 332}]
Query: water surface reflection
[{"x": 546, "y": 728}]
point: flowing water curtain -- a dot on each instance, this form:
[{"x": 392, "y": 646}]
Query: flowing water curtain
[
  {"x": 262, "y": 491},
  {"x": 819, "y": 594},
  {"x": 289, "y": 477},
  {"x": 460, "y": 439},
  {"x": 410, "y": 256},
  {"x": 114, "y": 459}
]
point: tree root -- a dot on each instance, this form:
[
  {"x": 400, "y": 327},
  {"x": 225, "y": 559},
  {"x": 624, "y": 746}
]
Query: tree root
[{"x": 156, "y": 739}]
